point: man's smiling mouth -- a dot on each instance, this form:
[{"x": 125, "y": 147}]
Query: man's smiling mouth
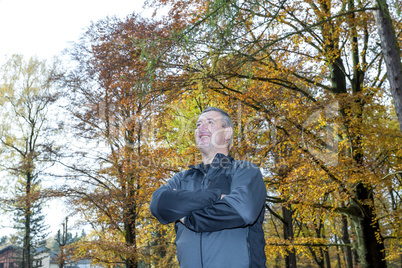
[{"x": 204, "y": 135}]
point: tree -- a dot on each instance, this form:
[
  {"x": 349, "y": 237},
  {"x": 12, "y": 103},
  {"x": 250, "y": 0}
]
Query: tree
[
  {"x": 3, "y": 240},
  {"x": 26, "y": 95},
  {"x": 63, "y": 248},
  {"x": 115, "y": 107},
  {"x": 63, "y": 240},
  {"x": 391, "y": 54}
]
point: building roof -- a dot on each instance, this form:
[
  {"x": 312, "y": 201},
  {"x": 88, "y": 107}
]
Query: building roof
[{"x": 7, "y": 247}]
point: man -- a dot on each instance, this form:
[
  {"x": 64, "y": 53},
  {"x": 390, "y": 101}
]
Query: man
[{"x": 218, "y": 205}]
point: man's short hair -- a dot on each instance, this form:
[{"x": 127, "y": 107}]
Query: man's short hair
[{"x": 226, "y": 120}]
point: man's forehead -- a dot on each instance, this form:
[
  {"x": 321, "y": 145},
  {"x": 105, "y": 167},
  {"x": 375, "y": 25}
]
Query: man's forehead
[{"x": 210, "y": 115}]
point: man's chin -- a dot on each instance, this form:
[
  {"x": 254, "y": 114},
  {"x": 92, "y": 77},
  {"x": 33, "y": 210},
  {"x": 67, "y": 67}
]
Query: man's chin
[{"x": 203, "y": 146}]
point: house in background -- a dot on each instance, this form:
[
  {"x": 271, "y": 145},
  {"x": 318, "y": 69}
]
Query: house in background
[
  {"x": 10, "y": 258},
  {"x": 79, "y": 264}
]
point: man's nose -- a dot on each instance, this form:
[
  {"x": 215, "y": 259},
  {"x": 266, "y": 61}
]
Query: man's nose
[{"x": 203, "y": 126}]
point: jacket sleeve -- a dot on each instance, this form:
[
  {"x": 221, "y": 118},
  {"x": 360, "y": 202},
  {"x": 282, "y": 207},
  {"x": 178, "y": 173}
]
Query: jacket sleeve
[
  {"x": 238, "y": 209},
  {"x": 169, "y": 203}
]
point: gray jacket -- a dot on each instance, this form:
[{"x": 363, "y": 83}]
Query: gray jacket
[{"x": 217, "y": 233}]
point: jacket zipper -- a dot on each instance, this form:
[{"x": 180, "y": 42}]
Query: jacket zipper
[
  {"x": 202, "y": 261},
  {"x": 203, "y": 187},
  {"x": 203, "y": 181}
]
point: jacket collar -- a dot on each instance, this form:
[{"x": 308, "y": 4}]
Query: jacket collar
[{"x": 220, "y": 161}]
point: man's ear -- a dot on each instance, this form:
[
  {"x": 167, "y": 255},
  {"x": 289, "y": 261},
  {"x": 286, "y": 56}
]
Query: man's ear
[{"x": 228, "y": 133}]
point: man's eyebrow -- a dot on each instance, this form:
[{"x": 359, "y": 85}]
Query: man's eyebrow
[{"x": 208, "y": 118}]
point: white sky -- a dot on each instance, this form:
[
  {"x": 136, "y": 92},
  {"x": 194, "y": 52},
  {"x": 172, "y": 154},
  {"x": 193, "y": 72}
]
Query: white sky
[{"x": 44, "y": 28}]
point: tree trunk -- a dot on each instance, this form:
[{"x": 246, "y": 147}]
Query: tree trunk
[
  {"x": 338, "y": 255},
  {"x": 346, "y": 240},
  {"x": 131, "y": 207},
  {"x": 391, "y": 53},
  {"x": 327, "y": 258},
  {"x": 290, "y": 258},
  {"x": 27, "y": 262},
  {"x": 131, "y": 240},
  {"x": 370, "y": 245}
]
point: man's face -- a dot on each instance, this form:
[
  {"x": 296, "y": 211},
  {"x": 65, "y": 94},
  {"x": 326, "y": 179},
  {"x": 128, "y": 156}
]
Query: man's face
[{"x": 210, "y": 133}]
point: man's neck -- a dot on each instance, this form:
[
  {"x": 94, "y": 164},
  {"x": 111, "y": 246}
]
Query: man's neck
[{"x": 207, "y": 158}]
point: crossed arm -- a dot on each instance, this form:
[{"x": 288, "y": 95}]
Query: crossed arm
[{"x": 205, "y": 210}]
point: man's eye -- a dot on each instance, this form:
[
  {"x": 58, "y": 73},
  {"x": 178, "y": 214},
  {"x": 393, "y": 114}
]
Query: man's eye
[{"x": 210, "y": 122}]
